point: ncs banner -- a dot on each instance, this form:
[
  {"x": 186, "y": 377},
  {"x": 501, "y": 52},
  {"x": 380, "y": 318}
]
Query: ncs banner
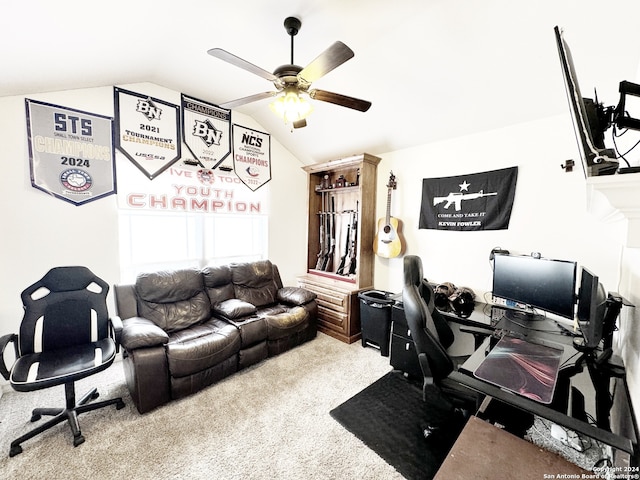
[
  {"x": 71, "y": 152},
  {"x": 478, "y": 201},
  {"x": 148, "y": 131},
  {"x": 206, "y": 130},
  {"x": 251, "y": 156}
]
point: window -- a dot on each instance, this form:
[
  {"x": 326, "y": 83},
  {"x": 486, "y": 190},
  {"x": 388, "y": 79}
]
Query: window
[{"x": 151, "y": 241}]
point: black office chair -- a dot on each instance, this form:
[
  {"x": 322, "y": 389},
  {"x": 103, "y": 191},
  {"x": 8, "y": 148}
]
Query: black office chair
[
  {"x": 65, "y": 335},
  {"x": 432, "y": 336}
]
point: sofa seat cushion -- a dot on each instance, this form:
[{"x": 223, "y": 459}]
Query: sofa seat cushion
[
  {"x": 201, "y": 346},
  {"x": 287, "y": 323}
]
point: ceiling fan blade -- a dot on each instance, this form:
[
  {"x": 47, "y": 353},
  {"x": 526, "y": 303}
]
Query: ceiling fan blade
[
  {"x": 239, "y": 62},
  {"x": 244, "y": 100},
  {"x": 332, "y": 57},
  {"x": 342, "y": 100}
]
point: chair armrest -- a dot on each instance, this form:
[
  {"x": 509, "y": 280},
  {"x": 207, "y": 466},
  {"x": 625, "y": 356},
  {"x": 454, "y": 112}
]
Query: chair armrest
[
  {"x": 486, "y": 331},
  {"x": 479, "y": 333},
  {"x": 295, "y": 295},
  {"x": 116, "y": 327},
  {"x": 138, "y": 332},
  {"x": 4, "y": 341}
]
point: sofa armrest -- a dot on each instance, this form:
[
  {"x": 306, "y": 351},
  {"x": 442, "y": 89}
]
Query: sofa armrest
[
  {"x": 233, "y": 308},
  {"x": 295, "y": 295},
  {"x": 5, "y": 340},
  {"x": 138, "y": 332}
]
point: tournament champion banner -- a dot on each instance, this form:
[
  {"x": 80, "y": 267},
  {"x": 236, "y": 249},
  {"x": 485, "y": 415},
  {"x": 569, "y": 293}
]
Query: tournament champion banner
[
  {"x": 148, "y": 131},
  {"x": 71, "y": 153},
  {"x": 251, "y": 156},
  {"x": 478, "y": 201},
  {"x": 206, "y": 130}
]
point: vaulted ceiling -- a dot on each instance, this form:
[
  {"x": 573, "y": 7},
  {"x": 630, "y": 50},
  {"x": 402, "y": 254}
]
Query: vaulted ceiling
[{"x": 433, "y": 69}]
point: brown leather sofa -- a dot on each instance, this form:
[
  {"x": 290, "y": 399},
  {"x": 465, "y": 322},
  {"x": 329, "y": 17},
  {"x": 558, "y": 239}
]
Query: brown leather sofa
[{"x": 186, "y": 329}]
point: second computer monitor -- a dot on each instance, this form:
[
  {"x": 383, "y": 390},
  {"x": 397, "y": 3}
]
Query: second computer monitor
[
  {"x": 592, "y": 304},
  {"x": 528, "y": 282}
]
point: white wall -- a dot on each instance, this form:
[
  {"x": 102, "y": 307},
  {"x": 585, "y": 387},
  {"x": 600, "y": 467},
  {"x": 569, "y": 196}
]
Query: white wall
[{"x": 550, "y": 215}]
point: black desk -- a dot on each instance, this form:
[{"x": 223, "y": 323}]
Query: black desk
[
  {"x": 559, "y": 412},
  {"x": 403, "y": 352}
]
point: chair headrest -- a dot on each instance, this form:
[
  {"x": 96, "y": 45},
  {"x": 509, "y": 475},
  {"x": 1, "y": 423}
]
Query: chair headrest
[
  {"x": 67, "y": 279},
  {"x": 412, "y": 270}
]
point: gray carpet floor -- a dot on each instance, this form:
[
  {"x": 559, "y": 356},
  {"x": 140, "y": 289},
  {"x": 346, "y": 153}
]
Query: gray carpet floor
[{"x": 270, "y": 421}]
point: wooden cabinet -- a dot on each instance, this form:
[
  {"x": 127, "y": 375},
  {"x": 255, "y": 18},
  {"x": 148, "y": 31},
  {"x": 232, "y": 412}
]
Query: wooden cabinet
[{"x": 341, "y": 228}]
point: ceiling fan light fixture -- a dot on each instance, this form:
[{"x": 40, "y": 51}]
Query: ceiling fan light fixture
[{"x": 291, "y": 105}]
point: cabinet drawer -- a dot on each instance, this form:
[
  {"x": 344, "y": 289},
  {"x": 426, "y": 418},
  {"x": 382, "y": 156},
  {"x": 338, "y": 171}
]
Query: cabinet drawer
[
  {"x": 401, "y": 330},
  {"x": 328, "y": 315},
  {"x": 404, "y": 356},
  {"x": 328, "y": 297}
]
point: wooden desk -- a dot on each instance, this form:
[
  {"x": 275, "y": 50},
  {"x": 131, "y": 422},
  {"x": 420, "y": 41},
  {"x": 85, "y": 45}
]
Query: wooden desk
[{"x": 485, "y": 452}]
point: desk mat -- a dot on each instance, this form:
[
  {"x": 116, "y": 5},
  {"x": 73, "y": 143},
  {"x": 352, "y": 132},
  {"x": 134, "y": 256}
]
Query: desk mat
[{"x": 528, "y": 369}]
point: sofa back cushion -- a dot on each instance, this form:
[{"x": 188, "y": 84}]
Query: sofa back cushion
[
  {"x": 254, "y": 282},
  {"x": 217, "y": 281},
  {"x": 173, "y": 300}
]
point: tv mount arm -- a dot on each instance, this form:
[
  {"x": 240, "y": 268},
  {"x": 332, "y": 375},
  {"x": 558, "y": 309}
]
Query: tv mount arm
[
  {"x": 607, "y": 116},
  {"x": 619, "y": 118}
]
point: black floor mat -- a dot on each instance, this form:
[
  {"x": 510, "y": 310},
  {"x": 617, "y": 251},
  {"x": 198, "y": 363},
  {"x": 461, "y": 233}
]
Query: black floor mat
[{"x": 389, "y": 416}]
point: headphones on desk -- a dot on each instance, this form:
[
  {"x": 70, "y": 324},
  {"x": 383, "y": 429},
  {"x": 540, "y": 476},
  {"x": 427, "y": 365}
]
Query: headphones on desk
[
  {"x": 463, "y": 301},
  {"x": 448, "y": 297},
  {"x": 441, "y": 294}
]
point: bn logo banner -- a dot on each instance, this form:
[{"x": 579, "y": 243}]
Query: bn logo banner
[
  {"x": 148, "y": 131},
  {"x": 251, "y": 156},
  {"x": 206, "y": 131},
  {"x": 478, "y": 201},
  {"x": 71, "y": 152}
]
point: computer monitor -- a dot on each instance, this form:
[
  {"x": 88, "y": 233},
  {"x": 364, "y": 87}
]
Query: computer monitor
[
  {"x": 589, "y": 119},
  {"x": 529, "y": 283},
  {"x": 592, "y": 307}
]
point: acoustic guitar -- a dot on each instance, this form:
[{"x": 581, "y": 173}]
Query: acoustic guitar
[{"x": 388, "y": 242}]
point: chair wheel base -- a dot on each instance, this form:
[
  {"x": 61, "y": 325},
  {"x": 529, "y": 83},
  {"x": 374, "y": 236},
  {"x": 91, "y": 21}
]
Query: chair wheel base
[
  {"x": 78, "y": 440},
  {"x": 428, "y": 431},
  {"x": 35, "y": 417},
  {"x": 15, "y": 450},
  {"x": 120, "y": 405}
]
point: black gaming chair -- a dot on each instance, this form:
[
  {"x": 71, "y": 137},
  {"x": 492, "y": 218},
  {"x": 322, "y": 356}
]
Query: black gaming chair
[
  {"x": 65, "y": 335},
  {"x": 432, "y": 336}
]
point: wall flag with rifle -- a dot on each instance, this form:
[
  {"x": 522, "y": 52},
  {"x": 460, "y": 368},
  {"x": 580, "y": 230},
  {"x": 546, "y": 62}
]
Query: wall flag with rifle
[
  {"x": 478, "y": 201},
  {"x": 388, "y": 242}
]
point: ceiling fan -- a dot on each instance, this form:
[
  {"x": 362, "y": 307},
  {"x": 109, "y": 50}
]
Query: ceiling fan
[{"x": 293, "y": 83}]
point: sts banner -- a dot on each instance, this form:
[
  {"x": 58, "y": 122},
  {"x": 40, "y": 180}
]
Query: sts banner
[
  {"x": 478, "y": 201},
  {"x": 71, "y": 152}
]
